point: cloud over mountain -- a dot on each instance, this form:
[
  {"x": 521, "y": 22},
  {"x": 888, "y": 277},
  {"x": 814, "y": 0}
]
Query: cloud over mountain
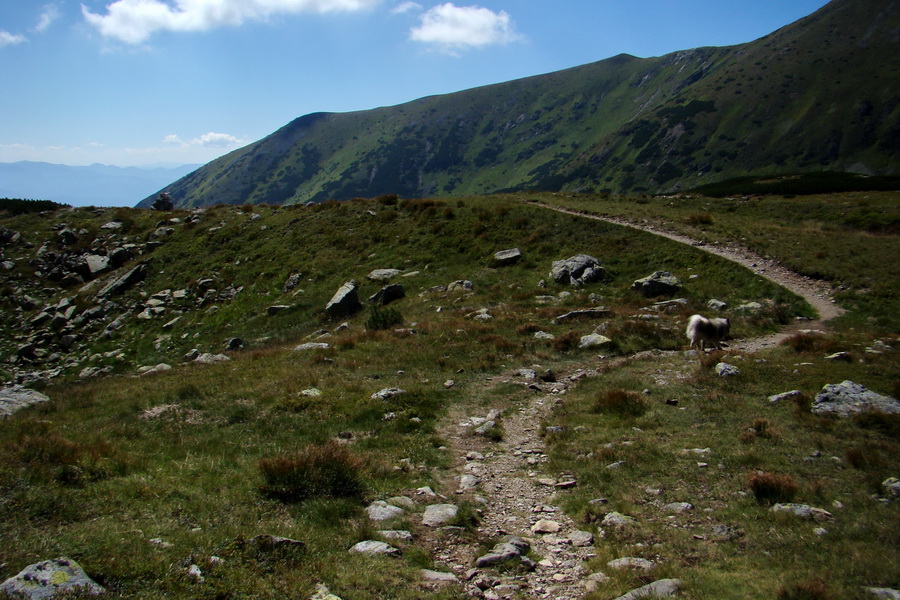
[
  {"x": 453, "y": 28},
  {"x": 135, "y": 21}
]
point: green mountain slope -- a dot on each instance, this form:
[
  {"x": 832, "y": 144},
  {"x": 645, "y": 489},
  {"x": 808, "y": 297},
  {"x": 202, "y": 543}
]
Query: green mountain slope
[{"x": 820, "y": 94}]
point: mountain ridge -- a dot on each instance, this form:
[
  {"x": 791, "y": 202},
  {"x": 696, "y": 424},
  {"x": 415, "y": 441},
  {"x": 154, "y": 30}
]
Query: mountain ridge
[{"x": 818, "y": 94}]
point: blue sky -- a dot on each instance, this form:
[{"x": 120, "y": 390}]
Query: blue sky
[{"x": 140, "y": 82}]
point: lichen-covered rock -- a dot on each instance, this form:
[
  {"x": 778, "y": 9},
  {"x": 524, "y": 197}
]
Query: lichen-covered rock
[
  {"x": 50, "y": 578},
  {"x": 507, "y": 257},
  {"x": 439, "y": 514}
]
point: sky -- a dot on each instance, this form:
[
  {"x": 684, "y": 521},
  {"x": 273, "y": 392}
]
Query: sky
[{"x": 150, "y": 82}]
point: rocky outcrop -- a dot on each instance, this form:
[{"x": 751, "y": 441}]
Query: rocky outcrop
[
  {"x": 507, "y": 257},
  {"x": 577, "y": 270},
  {"x": 388, "y": 294}
]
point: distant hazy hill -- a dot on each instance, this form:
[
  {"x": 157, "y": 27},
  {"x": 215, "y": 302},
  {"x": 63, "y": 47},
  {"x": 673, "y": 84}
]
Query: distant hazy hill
[
  {"x": 97, "y": 185},
  {"x": 820, "y": 94}
]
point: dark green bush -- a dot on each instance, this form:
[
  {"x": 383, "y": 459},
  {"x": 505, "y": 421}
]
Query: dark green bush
[{"x": 383, "y": 318}]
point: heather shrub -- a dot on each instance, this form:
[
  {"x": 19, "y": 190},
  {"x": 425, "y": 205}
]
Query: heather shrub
[{"x": 772, "y": 487}]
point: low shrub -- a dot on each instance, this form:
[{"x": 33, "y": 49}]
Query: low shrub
[
  {"x": 805, "y": 342},
  {"x": 772, "y": 487},
  {"x": 318, "y": 470},
  {"x": 383, "y": 318}
]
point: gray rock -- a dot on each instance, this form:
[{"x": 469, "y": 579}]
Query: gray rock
[
  {"x": 345, "y": 301},
  {"x": 717, "y": 305},
  {"x": 802, "y": 511},
  {"x": 18, "y": 397},
  {"x": 387, "y": 393},
  {"x": 891, "y": 487},
  {"x": 396, "y": 534},
  {"x": 661, "y": 588},
  {"x": 94, "y": 264},
  {"x": 382, "y": 511},
  {"x": 311, "y": 346},
  {"x": 678, "y": 507},
  {"x": 291, "y": 282},
  {"x": 785, "y": 396},
  {"x": 388, "y": 294},
  {"x": 593, "y": 340},
  {"x": 438, "y": 576},
  {"x": 461, "y": 285},
  {"x": 545, "y": 526},
  {"x": 581, "y": 539},
  {"x": 841, "y": 356},
  {"x": 373, "y": 547},
  {"x": 848, "y": 398},
  {"x": 617, "y": 520},
  {"x": 124, "y": 282},
  {"x": 507, "y": 257},
  {"x": 726, "y": 370},
  {"x": 749, "y": 307},
  {"x": 599, "y": 312},
  {"x": 383, "y": 274},
  {"x": 276, "y": 308},
  {"x": 511, "y": 547},
  {"x": 50, "y": 578},
  {"x": 577, "y": 270},
  {"x": 120, "y": 256},
  {"x": 207, "y": 358},
  {"x": 658, "y": 284},
  {"x": 485, "y": 427},
  {"x": 886, "y": 593},
  {"x": 630, "y": 562},
  {"x": 439, "y": 514},
  {"x": 323, "y": 593}
]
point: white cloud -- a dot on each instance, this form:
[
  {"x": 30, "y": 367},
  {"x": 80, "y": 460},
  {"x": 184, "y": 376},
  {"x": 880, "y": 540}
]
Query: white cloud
[
  {"x": 217, "y": 140},
  {"x": 10, "y": 39},
  {"x": 48, "y": 16},
  {"x": 452, "y": 28},
  {"x": 405, "y": 7},
  {"x": 134, "y": 21},
  {"x": 172, "y": 139}
]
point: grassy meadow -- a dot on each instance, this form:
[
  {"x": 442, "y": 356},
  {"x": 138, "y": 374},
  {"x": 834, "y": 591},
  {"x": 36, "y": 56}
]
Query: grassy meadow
[{"x": 138, "y": 478}]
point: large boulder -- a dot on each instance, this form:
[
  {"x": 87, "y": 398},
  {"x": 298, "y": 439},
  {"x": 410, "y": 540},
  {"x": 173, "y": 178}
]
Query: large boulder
[
  {"x": 848, "y": 398},
  {"x": 345, "y": 301},
  {"x": 17, "y": 397},
  {"x": 126, "y": 281},
  {"x": 577, "y": 270},
  {"x": 507, "y": 257},
  {"x": 660, "y": 283},
  {"x": 388, "y": 294},
  {"x": 50, "y": 578}
]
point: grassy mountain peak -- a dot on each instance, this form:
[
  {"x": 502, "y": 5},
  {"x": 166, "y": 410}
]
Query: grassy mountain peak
[{"x": 817, "y": 95}]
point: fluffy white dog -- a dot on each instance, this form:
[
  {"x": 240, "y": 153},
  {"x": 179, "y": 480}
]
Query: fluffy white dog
[{"x": 701, "y": 331}]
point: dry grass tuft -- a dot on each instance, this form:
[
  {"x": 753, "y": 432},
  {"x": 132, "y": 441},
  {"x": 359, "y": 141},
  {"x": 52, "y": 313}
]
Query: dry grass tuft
[
  {"x": 318, "y": 470},
  {"x": 772, "y": 487}
]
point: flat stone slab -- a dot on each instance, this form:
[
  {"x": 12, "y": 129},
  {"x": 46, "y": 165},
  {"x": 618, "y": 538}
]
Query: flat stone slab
[
  {"x": 18, "y": 397},
  {"x": 439, "y": 514},
  {"x": 382, "y": 511},
  {"x": 374, "y": 547},
  {"x": 661, "y": 588}
]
